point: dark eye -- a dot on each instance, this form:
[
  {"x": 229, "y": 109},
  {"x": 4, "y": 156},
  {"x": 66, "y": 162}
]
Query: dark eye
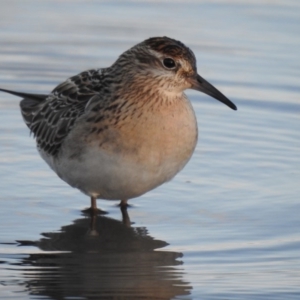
[{"x": 169, "y": 63}]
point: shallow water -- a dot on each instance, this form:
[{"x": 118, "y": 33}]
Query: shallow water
[{"x": 227, "y": 227}]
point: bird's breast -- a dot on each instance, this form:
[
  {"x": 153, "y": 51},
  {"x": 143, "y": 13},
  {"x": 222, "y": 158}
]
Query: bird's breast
[
  {"x": 125, "y": 159},
  {"x": 161, "y": 137}
]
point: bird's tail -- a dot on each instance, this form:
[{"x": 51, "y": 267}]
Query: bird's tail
[
  {"x": 36, "y": 97},
  {"x": 29, "y": 104}
]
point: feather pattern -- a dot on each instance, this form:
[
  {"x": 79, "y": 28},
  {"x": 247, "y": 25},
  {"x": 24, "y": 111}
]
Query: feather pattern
[
  {"x": 118, "y": 132},
  {"x": 51, "y": 117}
]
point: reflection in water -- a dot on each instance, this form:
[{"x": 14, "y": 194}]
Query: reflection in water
[{"x": 109, "y": 261}]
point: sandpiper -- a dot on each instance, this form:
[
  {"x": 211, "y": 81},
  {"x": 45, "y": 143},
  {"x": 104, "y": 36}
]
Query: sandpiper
[{"x": 115, "y": 133}]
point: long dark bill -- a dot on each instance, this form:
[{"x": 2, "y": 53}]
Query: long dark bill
[{"x": 201, "y": 85}]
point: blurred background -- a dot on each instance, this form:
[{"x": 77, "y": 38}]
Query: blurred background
[{"x": 227, "y": 226}]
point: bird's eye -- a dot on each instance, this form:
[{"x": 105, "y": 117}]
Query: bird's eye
[{"x": 169, "y": 63}]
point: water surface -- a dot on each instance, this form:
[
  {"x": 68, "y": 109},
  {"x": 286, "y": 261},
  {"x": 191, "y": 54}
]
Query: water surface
[{"x": 226, "y": 227}]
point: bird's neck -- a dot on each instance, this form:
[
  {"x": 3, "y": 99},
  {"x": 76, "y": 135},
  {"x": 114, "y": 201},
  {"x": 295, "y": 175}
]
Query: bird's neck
[{"x": 146, "y": 88}]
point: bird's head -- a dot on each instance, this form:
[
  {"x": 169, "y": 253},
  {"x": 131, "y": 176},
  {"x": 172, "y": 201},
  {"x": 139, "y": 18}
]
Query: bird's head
[{"x": 168, "y": 65}]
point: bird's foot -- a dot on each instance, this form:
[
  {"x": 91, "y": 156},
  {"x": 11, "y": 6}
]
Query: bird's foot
[
  {"x": 94, "y": 211},
  {"x": 124, "y": 204}
]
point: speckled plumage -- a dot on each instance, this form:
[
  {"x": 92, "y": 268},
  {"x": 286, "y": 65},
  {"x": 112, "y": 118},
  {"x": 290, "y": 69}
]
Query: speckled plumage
[{"x": 117, "y": 132}]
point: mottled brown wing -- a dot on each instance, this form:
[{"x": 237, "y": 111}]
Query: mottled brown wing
[
  {"x": 52, "y": 119},
  {"x": 55, "y": 119}
]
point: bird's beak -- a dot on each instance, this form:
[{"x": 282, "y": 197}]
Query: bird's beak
[{"x": 201, "y": 85}]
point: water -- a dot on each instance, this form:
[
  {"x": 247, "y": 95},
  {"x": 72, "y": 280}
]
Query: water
[{"x": 227, "y": 227}]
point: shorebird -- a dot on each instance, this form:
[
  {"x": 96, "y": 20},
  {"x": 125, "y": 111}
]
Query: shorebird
[{"x": 116, "y": 133}]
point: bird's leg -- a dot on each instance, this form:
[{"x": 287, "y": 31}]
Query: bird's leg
[
  {"x": 93, "y": 204},
  {"x": 93, "y": 209},
  {"x": 123, "y": 204},
  {"x": 125, "y": 217}
]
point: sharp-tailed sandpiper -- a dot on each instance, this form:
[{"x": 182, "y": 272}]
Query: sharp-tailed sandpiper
[{"x": 116, "y": 133}]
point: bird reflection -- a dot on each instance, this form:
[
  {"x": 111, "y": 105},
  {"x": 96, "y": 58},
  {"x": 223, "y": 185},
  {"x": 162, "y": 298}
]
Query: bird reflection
[{"x": 101, "y": 258}]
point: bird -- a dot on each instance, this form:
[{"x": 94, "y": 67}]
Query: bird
[{"x": 116, "y": 133}]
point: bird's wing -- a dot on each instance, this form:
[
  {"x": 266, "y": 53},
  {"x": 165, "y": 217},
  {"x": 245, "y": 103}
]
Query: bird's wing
[{"x": 51, "y": 117}]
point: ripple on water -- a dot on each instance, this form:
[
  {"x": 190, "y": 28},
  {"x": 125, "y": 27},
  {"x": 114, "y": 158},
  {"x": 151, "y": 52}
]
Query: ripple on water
[{"x": 225, "y": 227}]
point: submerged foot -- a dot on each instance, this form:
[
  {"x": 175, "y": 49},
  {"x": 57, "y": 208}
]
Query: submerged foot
[
  {"x": 93, "y": 210},
  {"x": 125, "y": 217},
  {"x": 124, "y": 204}
]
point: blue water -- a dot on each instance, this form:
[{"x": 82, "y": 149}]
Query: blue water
[{"x": 227, "y": 226}]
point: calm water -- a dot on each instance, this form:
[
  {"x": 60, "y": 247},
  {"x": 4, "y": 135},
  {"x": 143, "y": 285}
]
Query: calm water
[{"x": 227, "y": 227}]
